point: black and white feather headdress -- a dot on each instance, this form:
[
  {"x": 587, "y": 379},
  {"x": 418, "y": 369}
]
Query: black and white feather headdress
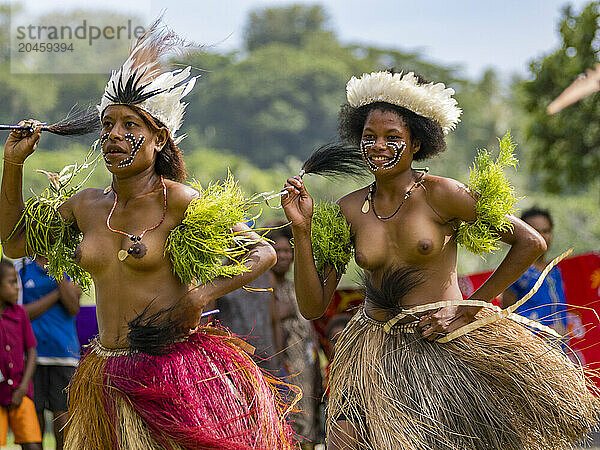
[{"x": 144, "y": 81}]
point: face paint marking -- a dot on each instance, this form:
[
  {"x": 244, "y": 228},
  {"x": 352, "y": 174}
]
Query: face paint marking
[
  {"x": 103, "y": 140},
  {"x": 135, "y": 146},
  {"x": 365, "y": 145}
]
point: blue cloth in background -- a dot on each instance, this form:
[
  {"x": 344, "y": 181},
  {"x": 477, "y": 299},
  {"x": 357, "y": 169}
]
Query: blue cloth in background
[
  {"x": 55, "y": 329},
  {"x": 548, "y": 305}
]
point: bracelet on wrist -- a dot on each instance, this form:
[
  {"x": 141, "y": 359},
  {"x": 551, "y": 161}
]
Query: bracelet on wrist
[{"x": 14, "y": 163}]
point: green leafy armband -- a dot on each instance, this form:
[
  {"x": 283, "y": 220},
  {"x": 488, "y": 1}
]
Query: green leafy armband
[
  {"x": 495, "y": 199},
  {"x": 204, "y": 247},
  {"x": 331, "y": 238},
  {"x": 47, "y": 233},
  {"x": 43, "y": 226}
]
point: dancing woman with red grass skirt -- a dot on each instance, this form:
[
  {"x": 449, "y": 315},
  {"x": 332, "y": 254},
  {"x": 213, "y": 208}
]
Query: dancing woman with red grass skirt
[{"x": 151, "y": 379}]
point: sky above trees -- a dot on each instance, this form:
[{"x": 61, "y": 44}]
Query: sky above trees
[{"x": 475, "y": 35}]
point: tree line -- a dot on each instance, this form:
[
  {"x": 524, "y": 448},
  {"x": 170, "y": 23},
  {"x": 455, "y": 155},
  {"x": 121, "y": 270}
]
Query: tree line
[{"x": 262, "y": 109}]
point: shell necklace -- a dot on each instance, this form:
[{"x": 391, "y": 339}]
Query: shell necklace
[{"x": 370, "y": 203}]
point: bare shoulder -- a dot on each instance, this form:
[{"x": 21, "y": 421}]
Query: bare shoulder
[
  {"x": 88, "y": 194},
  {"x": 352, "y": 203},
  {"x": 449, "y": 198},
  {"x": 180, "y": 195},
  {"x": 442, "y": 188},
  {"x": 81, "y": 201}
]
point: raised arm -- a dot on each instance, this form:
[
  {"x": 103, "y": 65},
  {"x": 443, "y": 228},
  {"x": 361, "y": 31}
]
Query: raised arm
[
  {"x": 526, "y": 245},
  {"x": 19, "y": 145},
  {"x": 313, "y": 294}
]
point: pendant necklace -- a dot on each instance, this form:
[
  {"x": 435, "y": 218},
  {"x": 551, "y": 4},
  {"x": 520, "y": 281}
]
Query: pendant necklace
[
  {"x": 137, "y": 248},
  {"x": 370, "y": 204}
]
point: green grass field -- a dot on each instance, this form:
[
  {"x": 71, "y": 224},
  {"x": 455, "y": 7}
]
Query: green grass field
[{"x": 49, "y": 442}]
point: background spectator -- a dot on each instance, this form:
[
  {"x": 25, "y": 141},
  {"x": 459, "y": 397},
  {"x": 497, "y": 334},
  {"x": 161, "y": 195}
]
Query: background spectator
[
  {"x": 52, "y": 308},
  {"x": 17, "y": 409},
  {"x": 548, "y": 305},
  {"x": 247, "y": 313},
  {"x": 295, "y": 338}
]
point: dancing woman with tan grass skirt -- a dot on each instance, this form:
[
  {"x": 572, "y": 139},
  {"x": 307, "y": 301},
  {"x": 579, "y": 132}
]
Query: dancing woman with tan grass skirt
[{"x": 417, "y": 367}]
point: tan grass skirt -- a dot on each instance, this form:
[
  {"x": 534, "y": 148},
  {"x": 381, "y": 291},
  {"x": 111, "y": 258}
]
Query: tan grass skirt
[{"x": 498, "y": 387}]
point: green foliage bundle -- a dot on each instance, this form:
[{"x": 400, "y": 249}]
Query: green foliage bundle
[
  {"x": 331, "y": 239},
  {"x": 495, "y": 199},
  {"x": 61, "y": 259},
  {"x": 47, "y": 233},
  {"x": 204, "y": 247}
]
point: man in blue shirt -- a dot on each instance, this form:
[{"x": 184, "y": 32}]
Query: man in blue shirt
[
  {"x": 52, "y": 308},
  {"x": 548, "y": 305}
]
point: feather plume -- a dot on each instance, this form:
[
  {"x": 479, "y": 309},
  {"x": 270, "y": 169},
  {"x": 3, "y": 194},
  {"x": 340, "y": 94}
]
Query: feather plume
[
  {"x": 335, "y": 159},
  {"x": 396, "y": 283},
  {"x": 143, "y": 79},
  {"x": 77, "y": 123},
  {"x": 153, "y": 333}
]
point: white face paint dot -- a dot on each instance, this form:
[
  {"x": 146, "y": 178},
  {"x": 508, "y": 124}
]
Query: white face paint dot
[
  {"x": 398, "y": 150},
  {"x": 135, "y": 146},
  {"x": 103, "y": 139}
]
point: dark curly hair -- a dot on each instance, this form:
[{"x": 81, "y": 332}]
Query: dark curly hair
[
  {"x": 169, "y": 161},
  {"x": 351, "y": 122},
  {"x": 536, "y": 211},
  {"x": 279, "y": 229}
]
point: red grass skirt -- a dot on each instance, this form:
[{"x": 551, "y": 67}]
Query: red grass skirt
[{"x": 203, "y": 393}]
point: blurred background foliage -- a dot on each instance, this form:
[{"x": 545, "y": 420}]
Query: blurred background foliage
[{"x": 261, "y": 110}]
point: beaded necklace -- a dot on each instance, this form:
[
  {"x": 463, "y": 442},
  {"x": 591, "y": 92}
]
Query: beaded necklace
[
  {"x": 137, "y": 249},
  {"x": 369, "y": 202}
]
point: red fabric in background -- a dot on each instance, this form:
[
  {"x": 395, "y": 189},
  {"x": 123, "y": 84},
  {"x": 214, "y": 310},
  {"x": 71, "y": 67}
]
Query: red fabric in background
[
  {"x": 344, "y": 300},
  {"x": 581, "y": 277},
  {"x": 470, "y": 283}
]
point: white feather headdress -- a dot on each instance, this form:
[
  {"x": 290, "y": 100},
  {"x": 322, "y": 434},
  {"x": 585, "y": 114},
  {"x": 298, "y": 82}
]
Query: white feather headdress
[
  {"x": 433, "y": 101},
  {"x": 144, "y": 82}
]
